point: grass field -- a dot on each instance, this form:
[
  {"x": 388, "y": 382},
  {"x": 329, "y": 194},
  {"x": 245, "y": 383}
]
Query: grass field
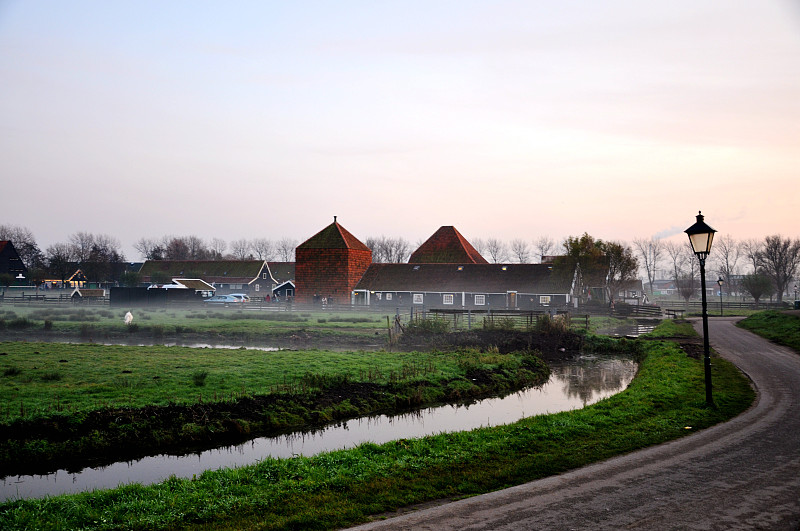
[
  {"x": 337, "y": 489},
  {"x": 40, "y": 379}
]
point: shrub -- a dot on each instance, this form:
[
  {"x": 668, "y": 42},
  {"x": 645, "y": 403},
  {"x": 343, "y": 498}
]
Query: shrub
[
  {"x": 51, "y": 376},
  {"x": 199, "y": 378},
  {"x": 48, "y": 325}
]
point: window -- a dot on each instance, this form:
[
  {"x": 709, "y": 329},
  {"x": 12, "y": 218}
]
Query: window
[
  {"x": 264, "y": 276},
  {"x": 378, "y": 295},
  {"x": 258, "y": 288},
  {"x": 289, "y": 292},
  {"x": 418, "y": 298},
  {"x": 447, "y": 298},
  {"x": 480, "y": 300},
  {"x": 388, "y": 296},
  {"x": 544, "y": 300}
]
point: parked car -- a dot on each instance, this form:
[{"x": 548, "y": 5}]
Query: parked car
[
  {"x": 241, "y": 297},
  {"x": 224, "y": 300}
]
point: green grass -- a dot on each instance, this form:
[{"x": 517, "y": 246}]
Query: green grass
[
  {"x": 336, "y": 489},
  {"x": 780, "y": 327},
  {"x": 673, "y": 328},
  {"x": 40, "y": 379}
]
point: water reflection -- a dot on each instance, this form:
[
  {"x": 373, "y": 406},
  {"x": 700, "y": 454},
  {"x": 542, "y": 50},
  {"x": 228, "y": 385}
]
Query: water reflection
[{"x": 573, "y": 384}]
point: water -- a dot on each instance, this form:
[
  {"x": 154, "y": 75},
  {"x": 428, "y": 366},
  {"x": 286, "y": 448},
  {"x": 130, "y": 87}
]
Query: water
[{"x": 572, "y": 385}]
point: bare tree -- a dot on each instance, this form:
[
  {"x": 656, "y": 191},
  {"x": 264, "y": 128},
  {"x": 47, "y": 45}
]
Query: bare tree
[
  {"x": 217, "y": 248},
  {"x": 497, "y": 250},
  {"x": 264, "y": 249},
  {"x": 520, "y": 250},
  {"x": 388, "y": 250},
  {"x": 478, "y": 243},
  {"x": 197, "y": 248},
  {"x": 240, "y": 249},
  {"x": 177, "y": 249},
  {"x": 650, "y": 252},
  {"x": 544, "y": 246},
  {"x": 285, "y": 249},
  {"x": 779, "y": 259},
  {"x": 751, "y": 249},
  {"x": 681, "y": 259},
  {"x": 59, "y": 258},
  {"x": 81, "y": 243},
  {"x": 727, "y": 255}
]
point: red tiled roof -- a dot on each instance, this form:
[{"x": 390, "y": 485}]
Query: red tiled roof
[
  {"x": 446, "y": 246},
  {"x": 472, "y": 278},
  {"x": 334, "y": 236}
]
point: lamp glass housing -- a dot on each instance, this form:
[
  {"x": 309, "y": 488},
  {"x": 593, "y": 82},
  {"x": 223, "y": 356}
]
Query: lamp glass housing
[{"x": 700, "y": 236}]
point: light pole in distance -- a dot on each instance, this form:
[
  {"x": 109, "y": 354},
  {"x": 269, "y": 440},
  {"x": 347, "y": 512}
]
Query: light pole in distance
[{"x": 720, "y": 282}]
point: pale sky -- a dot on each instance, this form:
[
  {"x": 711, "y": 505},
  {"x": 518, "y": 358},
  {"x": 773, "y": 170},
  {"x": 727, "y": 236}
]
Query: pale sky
[{"x": 507, "y": 119}]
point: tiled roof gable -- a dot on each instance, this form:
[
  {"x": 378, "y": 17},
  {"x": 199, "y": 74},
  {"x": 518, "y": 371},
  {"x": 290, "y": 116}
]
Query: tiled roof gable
[
  {"x": 446, "y": 246},
  {"x": 334, "y": 236}
]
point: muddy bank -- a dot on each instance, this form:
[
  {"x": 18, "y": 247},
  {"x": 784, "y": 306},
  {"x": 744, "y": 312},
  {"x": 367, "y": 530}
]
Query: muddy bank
[{"x": 105, "y": 436}]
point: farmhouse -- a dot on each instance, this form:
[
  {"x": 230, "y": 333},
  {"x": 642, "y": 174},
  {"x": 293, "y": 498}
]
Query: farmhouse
[
  {"x": 446, "y": 271},
  {"x": 463, "y": 286},
  {"x": 252, "y": 277},
  {"x": 10, "y": 262}
]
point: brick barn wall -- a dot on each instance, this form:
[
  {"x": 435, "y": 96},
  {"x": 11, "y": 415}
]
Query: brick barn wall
[{"x": 331, "y": 273}]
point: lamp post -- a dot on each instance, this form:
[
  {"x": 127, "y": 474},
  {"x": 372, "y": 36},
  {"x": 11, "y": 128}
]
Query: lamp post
[
  {"x": 720, "y": 282},
  {"x": 700, "y": 237}
]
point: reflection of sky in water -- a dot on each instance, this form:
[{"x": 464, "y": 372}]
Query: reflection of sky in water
[{"x": 572, "y": 385}]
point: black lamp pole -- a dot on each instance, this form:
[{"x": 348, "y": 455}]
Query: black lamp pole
[
  {"x": 701, "y": 236},
  {"x": 719, "y": 283}
]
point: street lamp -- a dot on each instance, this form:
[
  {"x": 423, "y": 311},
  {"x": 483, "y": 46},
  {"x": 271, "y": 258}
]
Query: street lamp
[
  {"x": 720, "y": 282},
  {"x": 700, "y": 237}
]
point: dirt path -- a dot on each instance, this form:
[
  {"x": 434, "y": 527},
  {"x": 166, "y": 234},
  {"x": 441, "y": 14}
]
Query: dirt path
[{"x": 744, "y": 474}]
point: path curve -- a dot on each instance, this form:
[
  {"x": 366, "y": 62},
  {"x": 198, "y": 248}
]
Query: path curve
[{"x": 743, "y": 474}]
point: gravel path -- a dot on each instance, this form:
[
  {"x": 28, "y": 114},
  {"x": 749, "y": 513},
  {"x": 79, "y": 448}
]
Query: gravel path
[{"x": 744, "y": 474}]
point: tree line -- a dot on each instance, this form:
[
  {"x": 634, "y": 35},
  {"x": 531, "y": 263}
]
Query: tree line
[{"x": 758, "y": 267}]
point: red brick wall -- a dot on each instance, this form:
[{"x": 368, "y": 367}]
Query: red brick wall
[{"x": 331, "y": 273}]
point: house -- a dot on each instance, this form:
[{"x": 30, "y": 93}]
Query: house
[
  {"x": 632, "y": 292},
  {"x": 88, "y": 294},
  {"x": 10, "y": 262},
  {"x": 284, "y": 290},
  {"x": 329, "y": 265},
  {"x": 252, "y": 277},
  {"x": 476, "y": 286}
]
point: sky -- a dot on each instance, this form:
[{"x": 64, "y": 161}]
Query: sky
[{"x": 506, "y": 119}]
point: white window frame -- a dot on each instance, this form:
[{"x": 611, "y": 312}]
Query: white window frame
[
  {"x": 418, "y": 298},
  {"x": 544, "y": 300},
  {"x": 388, "y": 296},
  {"x": 258, "y": 287},
  {"x": 480, "y": 300},
  {"x": 447, "y": 298}
]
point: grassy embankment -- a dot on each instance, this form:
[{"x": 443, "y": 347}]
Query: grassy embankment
[
  {"x": 72, "y": 405},
  {"x": 665, "y": 401},
  {"x": 781, "y": 327}
]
